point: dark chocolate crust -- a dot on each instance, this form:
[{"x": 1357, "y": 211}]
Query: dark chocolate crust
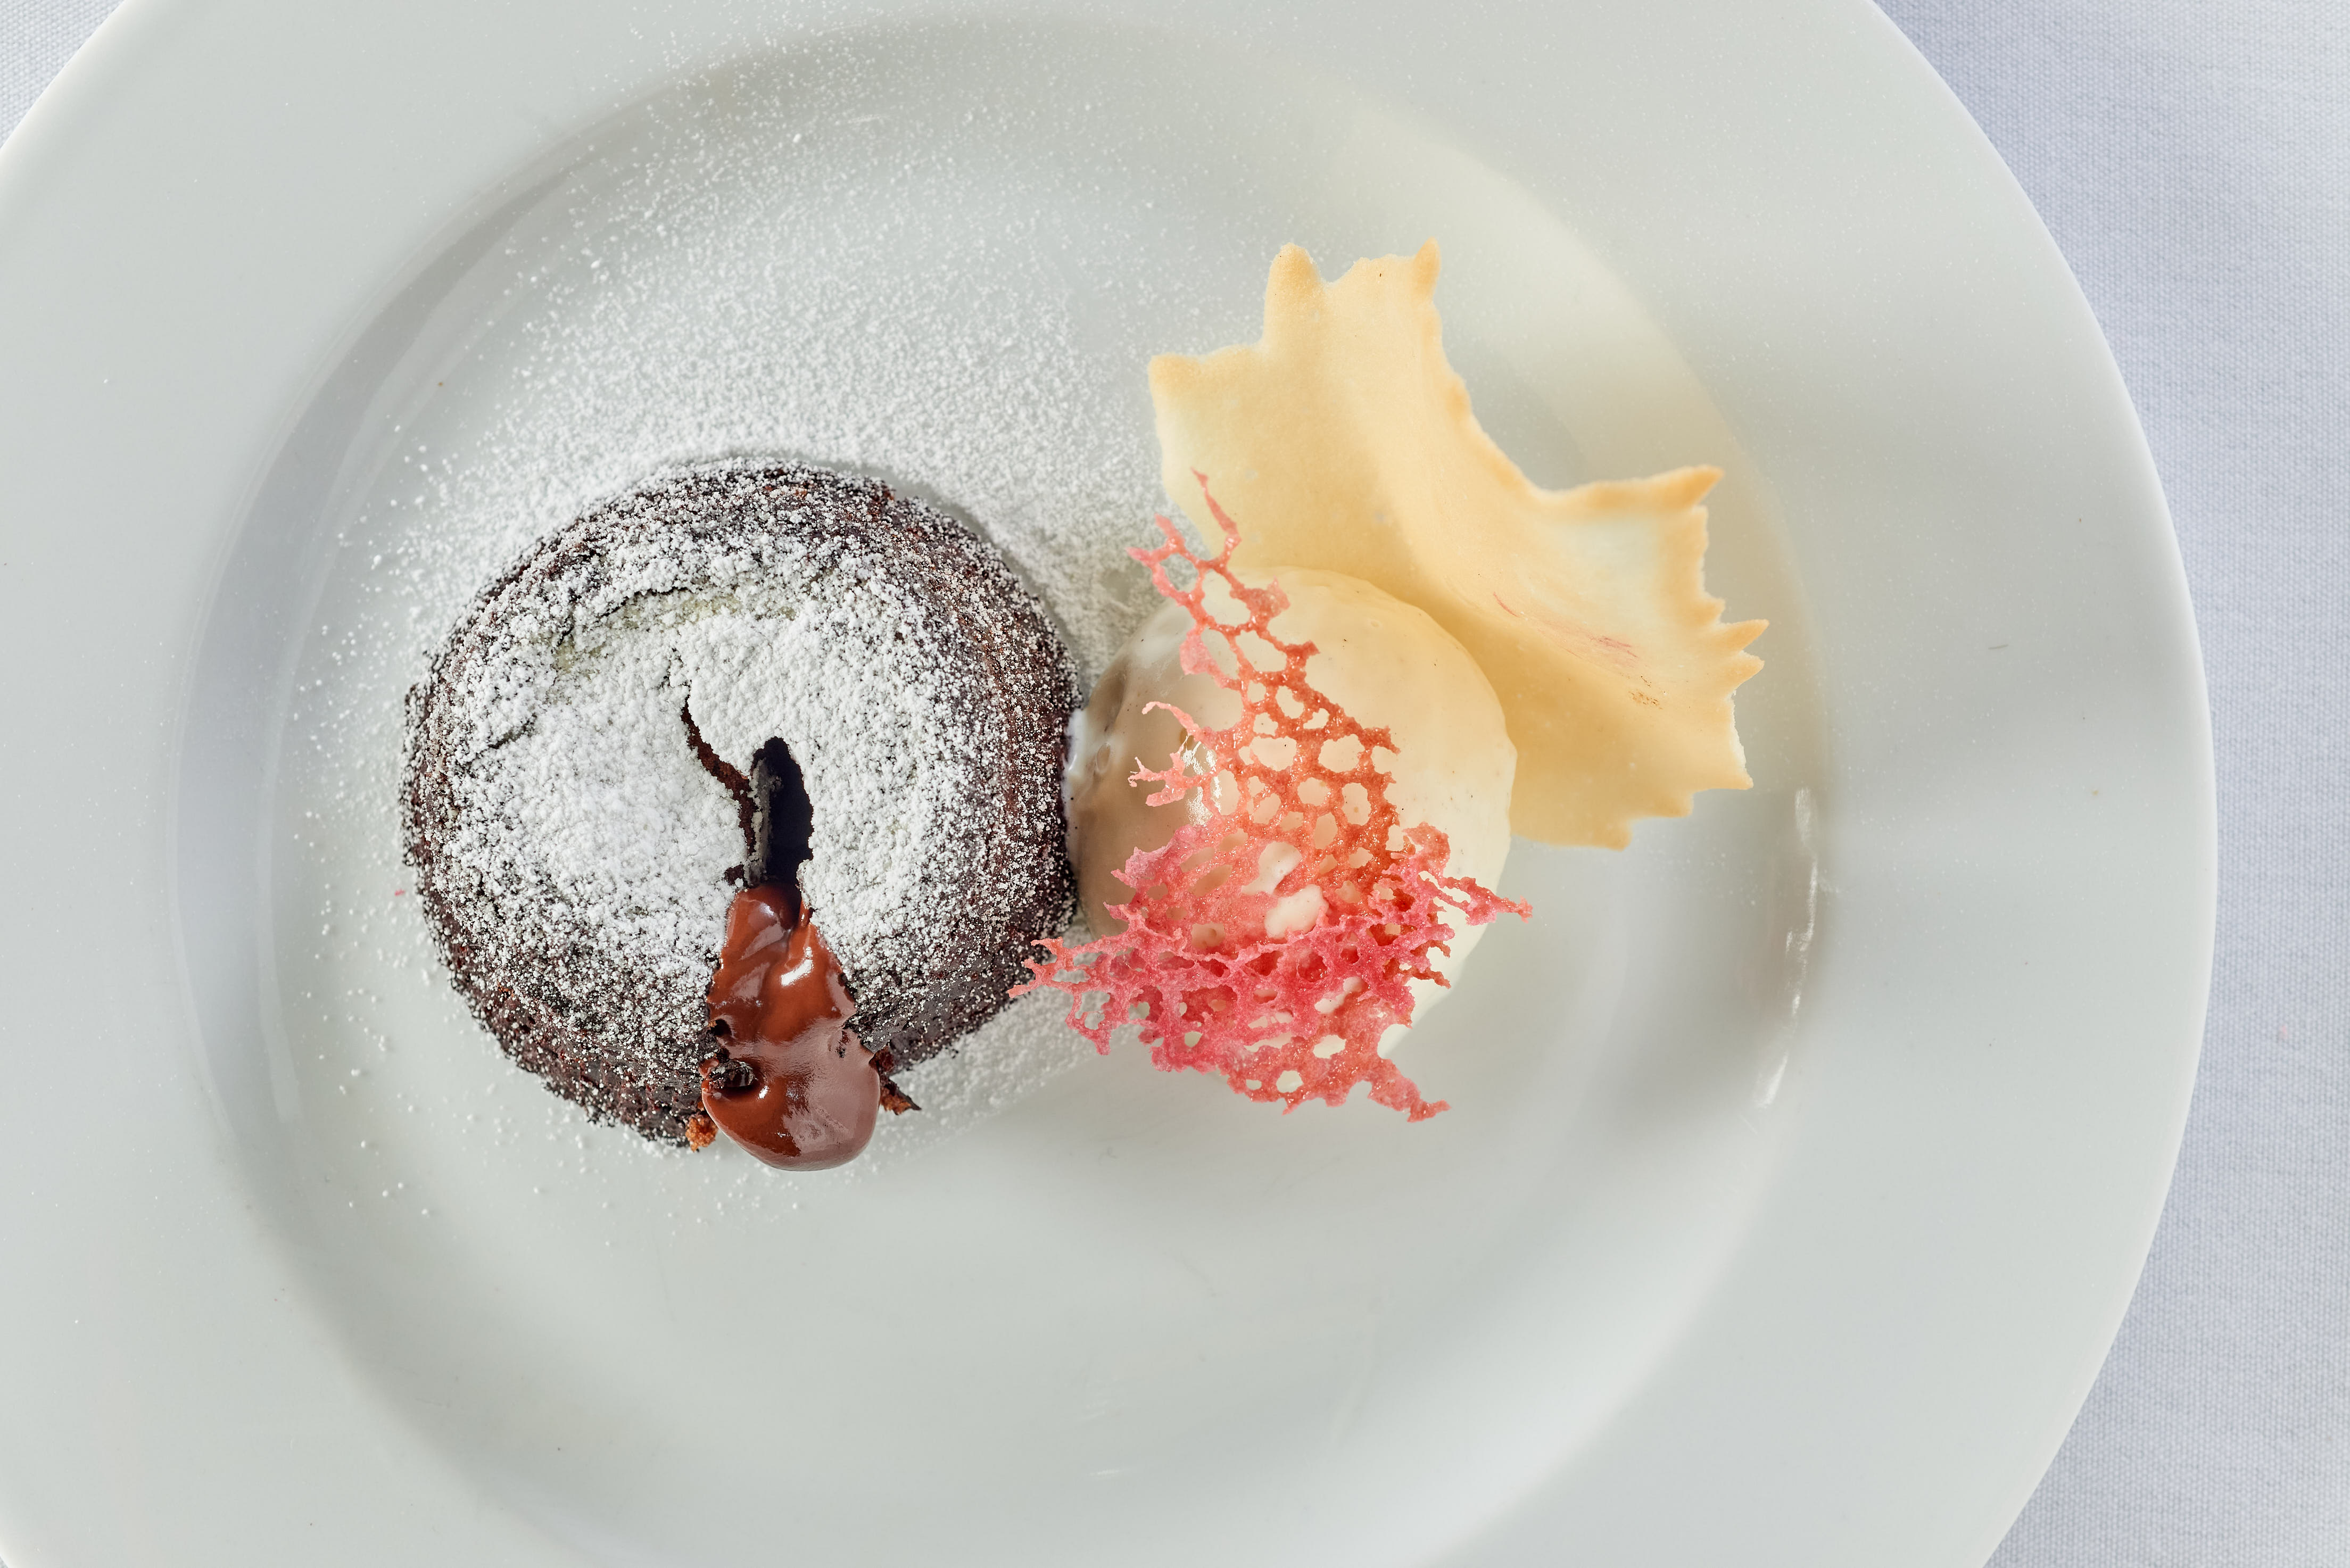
[{"x": 623, "y": 1039}]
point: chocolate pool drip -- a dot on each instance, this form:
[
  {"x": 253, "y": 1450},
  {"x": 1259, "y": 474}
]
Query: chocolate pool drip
[
  {"x": 787, "y": 1078},
  {"x": 788, "y": 1081}
]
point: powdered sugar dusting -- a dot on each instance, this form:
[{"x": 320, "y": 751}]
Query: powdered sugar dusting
[{"x": 791, "y": 264}]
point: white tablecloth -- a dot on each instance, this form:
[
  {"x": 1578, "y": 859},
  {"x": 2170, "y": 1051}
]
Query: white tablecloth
[{"x": 2193, "y": 161}]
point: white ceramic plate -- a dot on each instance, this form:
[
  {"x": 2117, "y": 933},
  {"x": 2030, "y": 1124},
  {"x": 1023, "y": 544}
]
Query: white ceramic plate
[{"x": 1802, "y": 1156}]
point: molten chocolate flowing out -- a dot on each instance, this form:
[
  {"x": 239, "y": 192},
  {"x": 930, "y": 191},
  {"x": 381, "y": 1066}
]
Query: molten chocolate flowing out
[{"x": 785, "y": 1078}]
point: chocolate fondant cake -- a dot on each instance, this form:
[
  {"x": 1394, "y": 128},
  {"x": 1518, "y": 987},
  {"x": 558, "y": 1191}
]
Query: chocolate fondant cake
[{"x": 577, "y": 856}]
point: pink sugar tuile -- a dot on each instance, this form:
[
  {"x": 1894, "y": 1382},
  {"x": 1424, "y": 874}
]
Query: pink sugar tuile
[{"x": 1256, "y": 1008}]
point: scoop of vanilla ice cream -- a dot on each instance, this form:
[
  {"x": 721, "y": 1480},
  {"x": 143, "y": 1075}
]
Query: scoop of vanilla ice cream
[{"x": 1383, "y": 661}]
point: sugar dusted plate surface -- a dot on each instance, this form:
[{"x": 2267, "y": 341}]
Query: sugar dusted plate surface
[{"x": 1801, "y": 1156}]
